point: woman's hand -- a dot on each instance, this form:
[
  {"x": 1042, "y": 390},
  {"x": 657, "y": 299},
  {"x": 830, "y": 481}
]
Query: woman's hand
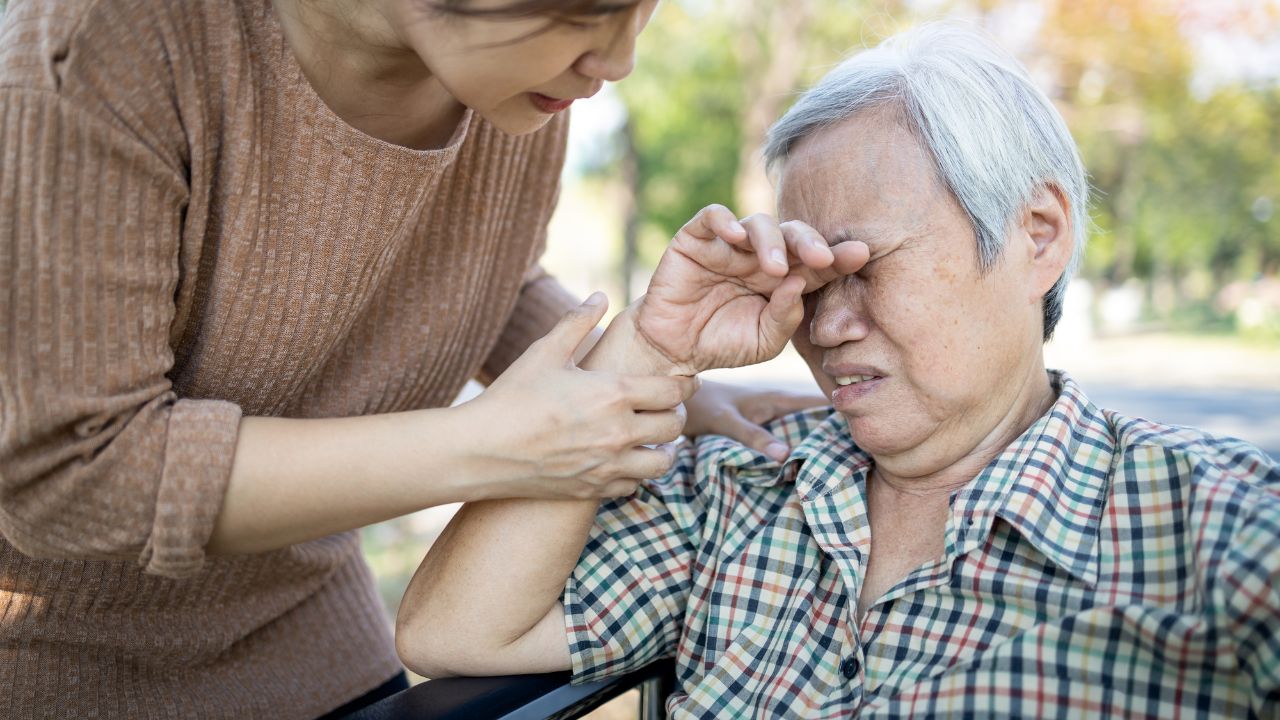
[
  {"x": 727, "y": 294},
  {"x": 553, "y": 430},
  {"x": 738, "y": 412}
]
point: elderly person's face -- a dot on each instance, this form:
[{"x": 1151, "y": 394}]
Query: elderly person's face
[{"x": 940, "y": 354}]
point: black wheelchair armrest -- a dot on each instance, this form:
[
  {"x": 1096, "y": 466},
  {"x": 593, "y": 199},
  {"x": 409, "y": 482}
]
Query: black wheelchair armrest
[{"x": 520, "y": 697}]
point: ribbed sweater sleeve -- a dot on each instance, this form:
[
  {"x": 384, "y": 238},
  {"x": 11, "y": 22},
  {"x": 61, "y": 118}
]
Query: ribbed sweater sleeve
[{"x": 98, "y": 457}]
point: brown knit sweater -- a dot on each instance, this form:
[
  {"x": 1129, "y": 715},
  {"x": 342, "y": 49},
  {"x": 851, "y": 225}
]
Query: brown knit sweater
[{"x": 189, "y": 235}]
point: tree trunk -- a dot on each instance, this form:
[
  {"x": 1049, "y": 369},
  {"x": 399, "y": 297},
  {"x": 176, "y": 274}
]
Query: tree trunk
[
  {"x": 630, "y": 171},
  {"x": 771, "y": 56}
]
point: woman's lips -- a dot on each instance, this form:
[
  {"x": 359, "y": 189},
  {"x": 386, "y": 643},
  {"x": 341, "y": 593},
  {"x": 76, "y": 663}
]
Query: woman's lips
[{"x": 550, "y": 105}]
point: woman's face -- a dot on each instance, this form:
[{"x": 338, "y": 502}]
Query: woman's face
[
  {"x": 920, "y": 351},
  {"x": 518, "y": 72}
]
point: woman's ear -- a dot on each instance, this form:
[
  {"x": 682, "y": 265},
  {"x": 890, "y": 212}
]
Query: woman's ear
[{"x": 1046, "y": 223}]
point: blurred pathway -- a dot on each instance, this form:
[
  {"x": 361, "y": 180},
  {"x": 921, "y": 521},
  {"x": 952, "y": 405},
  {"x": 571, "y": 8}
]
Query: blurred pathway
[{"x": 1253, "y": 415}]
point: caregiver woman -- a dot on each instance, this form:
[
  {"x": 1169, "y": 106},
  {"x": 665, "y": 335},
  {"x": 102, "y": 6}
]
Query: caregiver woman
[{"x": 248, "y": 255}]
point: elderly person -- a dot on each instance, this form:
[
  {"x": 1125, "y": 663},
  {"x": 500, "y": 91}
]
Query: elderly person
[{"x": 964, "y": 533}]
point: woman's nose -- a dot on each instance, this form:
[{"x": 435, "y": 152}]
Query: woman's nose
[
  {"x": 839, "y": 316},
  {"x": 615, "y": 56}
]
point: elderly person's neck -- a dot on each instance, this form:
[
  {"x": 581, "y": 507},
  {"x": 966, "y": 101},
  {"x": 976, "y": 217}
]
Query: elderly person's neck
[
  {"x": 909, "y": 493},
  {"x": 963, "y": 446}
]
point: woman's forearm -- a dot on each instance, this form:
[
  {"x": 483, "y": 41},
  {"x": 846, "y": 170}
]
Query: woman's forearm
[
  {"x": 295, "y": 480},
  {"x": 544, "y": 429}
]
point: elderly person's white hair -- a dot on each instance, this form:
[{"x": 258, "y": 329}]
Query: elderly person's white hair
[{"x": 994, "y": 136}]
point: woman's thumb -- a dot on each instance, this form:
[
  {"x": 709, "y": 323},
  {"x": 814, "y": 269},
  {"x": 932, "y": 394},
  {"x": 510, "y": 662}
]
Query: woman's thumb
[{"x": 576, "y": 325}]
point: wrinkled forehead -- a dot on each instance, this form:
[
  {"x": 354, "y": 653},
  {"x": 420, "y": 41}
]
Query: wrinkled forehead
[{"x": 866, "y": 176}]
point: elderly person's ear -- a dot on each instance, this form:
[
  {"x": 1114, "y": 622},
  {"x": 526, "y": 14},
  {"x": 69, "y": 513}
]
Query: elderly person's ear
[{"x": 1049, "y": 240}]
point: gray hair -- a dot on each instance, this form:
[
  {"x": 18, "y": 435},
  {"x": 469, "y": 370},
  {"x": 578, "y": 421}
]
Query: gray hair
[{"x": 993, "y": 135}]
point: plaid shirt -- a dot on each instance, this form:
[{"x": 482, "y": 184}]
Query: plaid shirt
[{"x": 1100, "y": 566}]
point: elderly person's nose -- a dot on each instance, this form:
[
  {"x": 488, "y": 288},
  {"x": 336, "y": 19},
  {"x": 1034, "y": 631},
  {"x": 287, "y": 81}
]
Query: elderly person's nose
[{"x": 838, "y": 316}]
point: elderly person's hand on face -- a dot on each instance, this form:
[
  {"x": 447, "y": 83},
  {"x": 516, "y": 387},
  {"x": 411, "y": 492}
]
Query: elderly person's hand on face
[{"x": 726, "y": 293}]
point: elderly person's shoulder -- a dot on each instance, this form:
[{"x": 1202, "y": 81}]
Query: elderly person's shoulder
[
  {"x": 1198, "y": 461},
  {"x": 1203, "y": 504}
]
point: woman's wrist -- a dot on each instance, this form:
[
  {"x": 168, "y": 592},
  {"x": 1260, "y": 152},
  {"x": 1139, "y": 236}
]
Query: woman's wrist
[{"x": 483, "y": 468}]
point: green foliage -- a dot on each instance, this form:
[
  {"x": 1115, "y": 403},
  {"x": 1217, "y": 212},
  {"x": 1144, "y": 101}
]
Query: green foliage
[
  {"x": 684, "y": 108},
  {"x": 687, "y": 99}
]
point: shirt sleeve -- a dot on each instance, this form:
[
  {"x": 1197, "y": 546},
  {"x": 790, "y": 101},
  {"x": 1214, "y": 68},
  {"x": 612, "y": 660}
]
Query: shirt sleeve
[
  {"x": 1249, "y": 590},
  {"x": 624, "y": 603},
  {"x": 98, "y": 457}
]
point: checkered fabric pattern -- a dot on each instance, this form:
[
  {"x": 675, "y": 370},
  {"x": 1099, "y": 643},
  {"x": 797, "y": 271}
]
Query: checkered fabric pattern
[{"x": 1102, "y": 566}]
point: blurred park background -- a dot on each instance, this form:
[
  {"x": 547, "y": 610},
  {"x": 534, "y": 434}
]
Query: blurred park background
[{"x": 1174, "y": 104}]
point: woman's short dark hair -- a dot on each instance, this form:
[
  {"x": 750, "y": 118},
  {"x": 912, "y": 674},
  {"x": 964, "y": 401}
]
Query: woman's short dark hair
[{"x": 561, "y": 10}]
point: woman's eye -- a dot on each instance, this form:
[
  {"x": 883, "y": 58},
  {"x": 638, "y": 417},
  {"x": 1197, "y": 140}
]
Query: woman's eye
[{"x": 585, "y": 22}]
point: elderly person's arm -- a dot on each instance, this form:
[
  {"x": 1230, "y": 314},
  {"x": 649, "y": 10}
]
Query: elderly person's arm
[
  {"x": 1248, "y": 598},
  {"x": 486, "y": 599}
]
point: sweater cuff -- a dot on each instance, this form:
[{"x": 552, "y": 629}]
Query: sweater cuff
[{"x": 197, "y": 465}]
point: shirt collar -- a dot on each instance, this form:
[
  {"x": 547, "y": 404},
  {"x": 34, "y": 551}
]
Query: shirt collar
[{"x": 1050, "y": 485}]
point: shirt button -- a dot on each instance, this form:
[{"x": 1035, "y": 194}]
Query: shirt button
[{"x": 849, "y": 668}]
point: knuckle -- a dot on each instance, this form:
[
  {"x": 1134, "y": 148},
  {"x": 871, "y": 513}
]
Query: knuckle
[
  {"x": 675, "y": 426},
  {"x": 622, "y": 488},
  {"x": 617, "y": 439},
  {"x": 662, "y": 463},
  {"x": 674, "y": 394},
  {"x": 618, "y": 390}
]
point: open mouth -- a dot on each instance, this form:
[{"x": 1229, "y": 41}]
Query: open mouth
[{"x": 854, "y": 379}]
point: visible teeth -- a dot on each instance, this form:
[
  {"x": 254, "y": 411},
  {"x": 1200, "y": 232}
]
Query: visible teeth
[{"x": 851, "y": 379}]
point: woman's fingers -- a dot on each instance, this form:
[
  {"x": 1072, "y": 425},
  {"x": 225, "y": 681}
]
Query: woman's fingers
[
  {"x": 561, "y": 344},
  {"x": 655, "y": 428},
  {"x": 646, "y": 462},
  {"x": 619, "y": 488},
  {"x": 657, "y": 393}
]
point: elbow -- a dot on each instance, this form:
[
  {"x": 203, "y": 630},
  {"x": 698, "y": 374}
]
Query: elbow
[
  {"x": 417, "y": 652},
  {"x": 427, "y": 643}
]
